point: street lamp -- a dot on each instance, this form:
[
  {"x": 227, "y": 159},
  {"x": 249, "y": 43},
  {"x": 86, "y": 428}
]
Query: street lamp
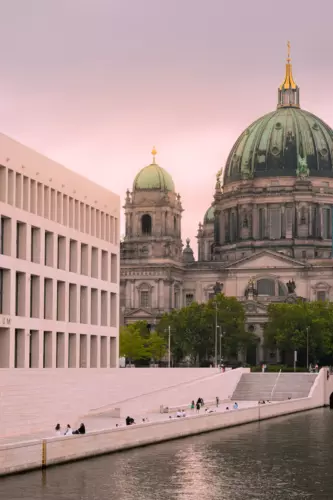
[
  {"x": 307, "y": 348},
  {"x": 221, "y": 335},
  {"x": 217, "y": 289},
  {"x": 169, "y": 346}
]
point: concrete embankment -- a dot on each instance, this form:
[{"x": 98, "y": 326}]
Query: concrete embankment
[{"x": 22, "y": 456}]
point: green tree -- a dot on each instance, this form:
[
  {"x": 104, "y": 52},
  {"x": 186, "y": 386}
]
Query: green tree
[
  {"x": 193, "y": 329},
  {"x": 156, "y": 346},
  {"x": 230, "y": 316},
  {"x": 291, "y": 327},
  {"x": 132, "y": 344}
]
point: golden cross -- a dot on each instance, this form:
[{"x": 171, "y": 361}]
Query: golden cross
[{"x": 288, "y": 45}]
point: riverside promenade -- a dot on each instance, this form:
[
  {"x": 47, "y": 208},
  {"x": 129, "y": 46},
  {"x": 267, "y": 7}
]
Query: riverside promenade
[{"x": 17, "y": 454}]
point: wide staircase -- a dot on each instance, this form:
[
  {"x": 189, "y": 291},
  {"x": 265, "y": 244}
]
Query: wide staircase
[{"x": 273, "y": 386}]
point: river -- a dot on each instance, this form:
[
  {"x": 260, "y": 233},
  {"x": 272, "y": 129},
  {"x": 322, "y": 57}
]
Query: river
[{"x": 286, "y": 458}]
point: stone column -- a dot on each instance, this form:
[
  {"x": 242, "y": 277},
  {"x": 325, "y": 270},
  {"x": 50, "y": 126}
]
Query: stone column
[
  {"x": 283, "y": 222},
  {"x": 321, "y": 221},
  {"x": 222, "y": 228},
  {"x": 255, "y": 221},
  {"x": 161, "y": 304}
]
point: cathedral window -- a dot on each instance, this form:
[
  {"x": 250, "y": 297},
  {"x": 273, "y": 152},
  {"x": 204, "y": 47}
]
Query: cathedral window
[
  {"x": 266, "y": 287},
  {"x": 275, "y": 223},
  {"x": 326, "y": 223},
  {"x": 261, "y": 223},
  {"x": 176, "y": 297},
  {"x": 321, "y": 296},
  {"x": 175, "y": 223},
  {"x": 144, "y": 298},
  {"x": 146, "y": 224},
  {"x": 303, "y": 215}
]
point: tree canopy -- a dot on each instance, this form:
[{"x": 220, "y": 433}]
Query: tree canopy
[
  {"x": 137, "y": 343},
  {"x": 291, "y": 327},
  {"x": 193, "y": 329}
]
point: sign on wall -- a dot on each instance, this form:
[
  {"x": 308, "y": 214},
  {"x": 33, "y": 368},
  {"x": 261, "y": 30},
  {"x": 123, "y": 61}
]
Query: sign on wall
[{"x": 5, "y": 320}]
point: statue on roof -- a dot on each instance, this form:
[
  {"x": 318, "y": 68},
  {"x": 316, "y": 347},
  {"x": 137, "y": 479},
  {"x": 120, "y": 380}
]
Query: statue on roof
[
  {"x": 302, "y": 170},
  {"x": 291, "y": 286}
]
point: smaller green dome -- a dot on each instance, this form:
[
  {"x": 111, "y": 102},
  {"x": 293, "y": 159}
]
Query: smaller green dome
[
  {"x": 210, "y": 215},
  {"x": 153, "y": 177}
]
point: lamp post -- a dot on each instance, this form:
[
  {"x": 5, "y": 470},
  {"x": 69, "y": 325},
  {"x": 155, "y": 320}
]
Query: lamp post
[
  {"x": 221, "y": 335},
  {"x": 169, "y": 347},
  {"x": 216, "y": 328},
  {"x": 307, "y": 348},
  {"x": 217, "y": 289}
]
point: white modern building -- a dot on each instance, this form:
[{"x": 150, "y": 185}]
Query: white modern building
[{"x": 59, "y": 265}]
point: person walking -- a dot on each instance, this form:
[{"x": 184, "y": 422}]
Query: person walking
[
  {"x": 198, "y": 406},
  {"x": 217, "y": 401}
]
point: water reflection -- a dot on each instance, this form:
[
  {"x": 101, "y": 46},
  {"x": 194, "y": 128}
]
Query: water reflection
[{"x": 287, "y": 458}]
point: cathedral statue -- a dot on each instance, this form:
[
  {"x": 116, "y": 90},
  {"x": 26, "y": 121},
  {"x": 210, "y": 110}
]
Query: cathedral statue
[
  {"x": 218, "y": 287},
  {"x": 291, "y": 285}
]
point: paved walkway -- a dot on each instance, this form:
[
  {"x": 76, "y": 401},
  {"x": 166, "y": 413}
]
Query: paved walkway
[{"x": 95, "y": 422}]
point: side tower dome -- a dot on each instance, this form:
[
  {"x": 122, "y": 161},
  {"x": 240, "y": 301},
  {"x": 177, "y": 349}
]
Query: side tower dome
[{"x": 153, "y": 177}]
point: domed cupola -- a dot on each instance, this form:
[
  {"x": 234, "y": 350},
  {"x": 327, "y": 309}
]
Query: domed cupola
[
  {"x": 209, "y": 215},
  {"x": 188, "y": 252},
  {"x": 288, "y": 142},
  {"x": 153, "y": 177}
]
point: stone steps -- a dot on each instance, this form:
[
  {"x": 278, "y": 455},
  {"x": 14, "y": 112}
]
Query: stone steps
[{"x": 273, "y": 386}]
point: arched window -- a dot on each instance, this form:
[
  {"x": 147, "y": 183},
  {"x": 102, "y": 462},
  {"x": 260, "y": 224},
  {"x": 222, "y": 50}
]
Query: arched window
[
  {"x": 146, "y": 224},
  {"x": 266, "y": 286},
  {"x": 175, "y": 223}
]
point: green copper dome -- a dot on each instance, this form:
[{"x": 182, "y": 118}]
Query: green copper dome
[
  {"x": 153, "y": 177},
  {"x": 209, "y": 215},
  {"x": 286, "y": 142}
]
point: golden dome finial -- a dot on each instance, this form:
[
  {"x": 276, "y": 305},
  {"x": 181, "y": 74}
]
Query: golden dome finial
[
  {"x": 154, "y": 153},
  {"x": 288, "y": 58},
  {"x": 289, "y": 82}
]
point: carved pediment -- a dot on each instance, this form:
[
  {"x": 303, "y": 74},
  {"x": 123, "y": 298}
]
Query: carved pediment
[
  {"x": 139, "y": 313},
  {"x": 266, "y": 260},
  {"x": 254, "y": 307}
]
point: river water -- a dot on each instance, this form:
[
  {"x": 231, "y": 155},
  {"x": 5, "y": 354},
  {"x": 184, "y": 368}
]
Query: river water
[{"x": 286, "y": 458}]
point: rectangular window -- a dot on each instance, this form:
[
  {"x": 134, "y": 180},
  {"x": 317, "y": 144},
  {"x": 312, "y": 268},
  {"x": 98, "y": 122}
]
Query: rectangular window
[
  {"x": 20, "y": 294},
  {"x": 33, "y": 196},
  {"x": 3, "y": 183},
  {"x": 21, "y": 240},
  {"x": 114, "y": 269},
  {"x": 61, "y": 257},
  {"x": 1, "y": 291},
  {"x": 48, "y": 249},
  {"x": 261, "y": 223},
  {"x": 34, "y": 296},
  {"x": 94, "y": 262},
  {"x": 26, "y": 191},
  {"x": 144, "y": 298},
  {"x": 5, "y": 236},
  {"x": 275, "y": 223},
  {"x": 321, "y": 296},
  {"x": 35, "y": 245},
  {"x": 18, "y": 191},
  {"x": 326, "y": 223},
  {"x": 84, "y": 259},
  {"x": 73, "y": 256},
  {"x": 4, "y": 291},
  {"x": 104, "y": 265}
]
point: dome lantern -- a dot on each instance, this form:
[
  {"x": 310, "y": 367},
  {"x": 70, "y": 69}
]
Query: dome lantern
[{"x": 288, "y": 93}]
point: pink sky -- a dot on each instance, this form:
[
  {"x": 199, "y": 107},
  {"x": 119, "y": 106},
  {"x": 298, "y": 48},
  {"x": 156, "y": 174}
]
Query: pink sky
[{"x": 95, "y": 84}]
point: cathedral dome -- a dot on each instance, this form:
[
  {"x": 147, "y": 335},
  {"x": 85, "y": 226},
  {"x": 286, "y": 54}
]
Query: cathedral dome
[
  {"x": 209, "y": 215},
  {"x": 285, "y": 142},
  {"x": 153, "y": 177}
]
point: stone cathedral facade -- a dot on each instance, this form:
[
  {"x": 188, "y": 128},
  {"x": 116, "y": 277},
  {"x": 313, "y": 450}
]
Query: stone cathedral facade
[{"x": 267, "y": 236}]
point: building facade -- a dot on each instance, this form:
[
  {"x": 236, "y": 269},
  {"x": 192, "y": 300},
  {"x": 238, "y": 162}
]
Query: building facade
[
  {"x": 59, "y": 265},
  {"x": 267, "y": 236}
]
